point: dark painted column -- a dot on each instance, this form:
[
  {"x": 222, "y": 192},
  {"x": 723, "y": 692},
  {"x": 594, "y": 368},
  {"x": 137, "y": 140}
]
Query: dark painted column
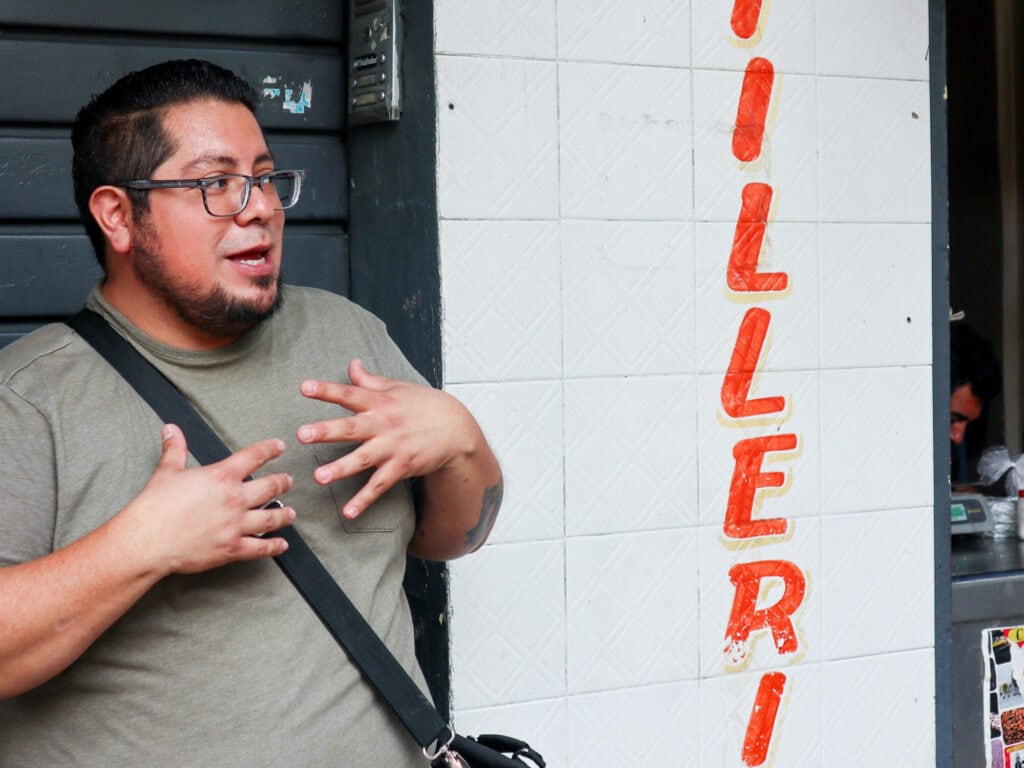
[{"x": 396, "y": 275}]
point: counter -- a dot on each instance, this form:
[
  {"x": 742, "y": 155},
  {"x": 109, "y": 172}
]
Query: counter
[
  {"x": 988, "y": 591},
  {"x": 976, "y": 556}
]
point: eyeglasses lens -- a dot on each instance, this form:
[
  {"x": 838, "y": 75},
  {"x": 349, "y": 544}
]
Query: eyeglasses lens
[
  {"x": 285, "y": 186},
  {"x": 226, "y": 197}
]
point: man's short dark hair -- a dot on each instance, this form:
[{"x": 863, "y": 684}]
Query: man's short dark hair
[
  {"x": 119, "y": 134},
  {"x": 972, "y": 361}
]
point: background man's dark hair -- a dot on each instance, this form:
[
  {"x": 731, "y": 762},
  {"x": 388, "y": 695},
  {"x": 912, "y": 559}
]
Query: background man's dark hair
[
  {"x": 972, "y": 361},
  {"x": 118, "y": 135}
]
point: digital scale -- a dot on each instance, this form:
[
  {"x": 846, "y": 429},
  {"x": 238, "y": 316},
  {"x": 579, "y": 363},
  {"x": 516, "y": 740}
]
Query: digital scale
[{"x": 970, "y": 513}]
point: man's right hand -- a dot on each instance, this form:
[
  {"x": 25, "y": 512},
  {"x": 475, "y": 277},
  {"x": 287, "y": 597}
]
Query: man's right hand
[
  {"x": 183, "y": 521},
  {"x": 191, "y": 520}
]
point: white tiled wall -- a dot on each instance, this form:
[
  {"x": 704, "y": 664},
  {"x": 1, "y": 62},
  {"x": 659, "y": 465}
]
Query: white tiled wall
[{"x": 588, "y": 198}]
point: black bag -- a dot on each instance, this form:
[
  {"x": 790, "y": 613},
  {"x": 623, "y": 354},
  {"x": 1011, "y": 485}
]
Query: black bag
[
  {"x": 486, "y": 751},
  {"x": 309, "y": 576}
]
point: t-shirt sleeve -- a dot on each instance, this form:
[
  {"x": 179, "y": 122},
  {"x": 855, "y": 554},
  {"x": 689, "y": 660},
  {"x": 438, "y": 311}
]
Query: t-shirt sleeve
[
  {"x": 386, "y": 359},
  {"x": 395, "y": 365},
  {"x": 27, "y": 483}
]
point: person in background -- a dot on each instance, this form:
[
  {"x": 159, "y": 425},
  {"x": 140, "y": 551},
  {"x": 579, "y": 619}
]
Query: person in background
[
  {"x": 975, "y": 378},
  {"x": 164, "y": 634}
]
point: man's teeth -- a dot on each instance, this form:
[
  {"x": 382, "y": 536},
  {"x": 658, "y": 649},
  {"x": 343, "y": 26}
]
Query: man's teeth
[{"x": 254, "y": 262}]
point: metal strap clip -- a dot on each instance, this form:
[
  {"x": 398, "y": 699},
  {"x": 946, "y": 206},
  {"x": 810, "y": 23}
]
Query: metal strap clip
[
  {"x": 451, "y": 758},
  {"x": 442, "y": 749}
]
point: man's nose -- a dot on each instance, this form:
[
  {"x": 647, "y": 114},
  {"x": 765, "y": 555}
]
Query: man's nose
[
  {"x": 260, "y": 206},
  {"x": 956, "y": 432}
]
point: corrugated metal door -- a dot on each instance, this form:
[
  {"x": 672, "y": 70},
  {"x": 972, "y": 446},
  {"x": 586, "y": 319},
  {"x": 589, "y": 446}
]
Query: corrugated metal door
[{"x": 55, "y": 54}]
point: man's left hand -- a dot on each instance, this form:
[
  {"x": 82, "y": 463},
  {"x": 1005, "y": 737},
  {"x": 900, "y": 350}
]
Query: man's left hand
[{"x": 404, "y": 430}]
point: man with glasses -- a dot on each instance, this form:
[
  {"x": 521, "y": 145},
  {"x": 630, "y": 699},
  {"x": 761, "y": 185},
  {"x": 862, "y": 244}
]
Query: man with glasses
[{"x": 162, "y": 634}]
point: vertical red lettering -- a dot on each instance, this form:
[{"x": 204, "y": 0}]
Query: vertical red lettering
[
  {"x": 752, "y": 113},
  {"x": 740, "y": 376},
  {"x": 762, "y": 718},
  {"x": 746, "y": 617},
  {"x": 747, "y": 478},
  {"x": 745, "y": 14},
  {"x": 741, "y": 274}
]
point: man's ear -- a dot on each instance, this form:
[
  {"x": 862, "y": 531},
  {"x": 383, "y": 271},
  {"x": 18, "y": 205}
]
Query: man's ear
[{"x": 112, "y": 210}]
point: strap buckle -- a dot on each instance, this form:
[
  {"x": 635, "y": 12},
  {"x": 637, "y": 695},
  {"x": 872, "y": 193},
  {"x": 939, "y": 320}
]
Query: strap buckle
[
  {"x": 451, "y": 758},
  {"x": 442, "y": 749}
]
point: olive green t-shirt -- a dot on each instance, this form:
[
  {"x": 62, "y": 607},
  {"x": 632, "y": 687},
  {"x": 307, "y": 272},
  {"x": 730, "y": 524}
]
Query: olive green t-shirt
[{"x": 228, "y": 667}]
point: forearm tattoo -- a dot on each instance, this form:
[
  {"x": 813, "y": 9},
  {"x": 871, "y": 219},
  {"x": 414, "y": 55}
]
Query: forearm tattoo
[{"x": 476, "y": 536}]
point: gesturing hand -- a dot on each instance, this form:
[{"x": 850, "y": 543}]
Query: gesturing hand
[
  {"x": 191, "y": 520},
  {"x": 404, "y": 430}
]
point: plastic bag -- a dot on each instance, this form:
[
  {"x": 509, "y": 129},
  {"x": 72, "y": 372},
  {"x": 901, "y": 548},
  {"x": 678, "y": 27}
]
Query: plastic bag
[{"x": 996, "y": 462}]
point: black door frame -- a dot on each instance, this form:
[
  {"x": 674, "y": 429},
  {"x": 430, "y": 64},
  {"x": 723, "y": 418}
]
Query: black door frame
[{"x": 940, "y": 383}]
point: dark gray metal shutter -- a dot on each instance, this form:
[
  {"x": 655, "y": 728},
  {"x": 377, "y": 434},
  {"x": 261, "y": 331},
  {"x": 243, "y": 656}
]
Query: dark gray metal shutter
[{"x": 57, "y": 53}]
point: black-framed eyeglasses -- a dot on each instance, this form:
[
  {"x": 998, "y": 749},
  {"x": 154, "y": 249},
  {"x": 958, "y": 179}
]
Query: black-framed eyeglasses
[{"x": 228, "y": 193}]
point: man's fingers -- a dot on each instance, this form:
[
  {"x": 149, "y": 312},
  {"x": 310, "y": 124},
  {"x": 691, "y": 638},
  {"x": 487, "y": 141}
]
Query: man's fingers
[
  {"x": 249, "y": 459},
  {"x": 344, "y": 430},
  {"x": 260, "y": 521},
  {"x": 355, "y": 396},
  {"x": 253, "y": 544},
  {"x": 336, "y": 392},
  {"x": 350, "y": 464},
  {"x": 252, "y": 548},
  {"x": 265, "y": 489},
  {"x": 380, "y": 482}
]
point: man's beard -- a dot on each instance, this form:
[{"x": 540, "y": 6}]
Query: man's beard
[{"x": 215, "y": 313}]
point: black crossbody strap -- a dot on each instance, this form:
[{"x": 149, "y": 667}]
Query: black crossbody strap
[{"x": 302, "y": 567}]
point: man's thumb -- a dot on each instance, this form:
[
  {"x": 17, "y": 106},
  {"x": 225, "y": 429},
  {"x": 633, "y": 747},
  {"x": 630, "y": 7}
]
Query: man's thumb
[
  {"x": 175, "y": 449},
  {"x": 361, "y": 377}
]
